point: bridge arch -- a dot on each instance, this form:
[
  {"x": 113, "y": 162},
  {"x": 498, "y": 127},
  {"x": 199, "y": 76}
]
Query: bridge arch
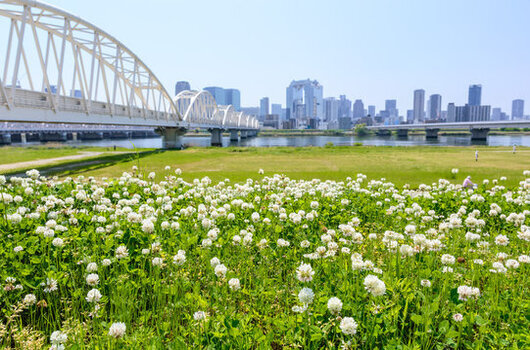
[{"x": 197, "y": 107}]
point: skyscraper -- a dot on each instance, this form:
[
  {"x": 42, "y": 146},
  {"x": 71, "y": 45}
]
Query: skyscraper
[
  {"x": 436, "y": 107},
  {"x": 233, "y": 97},
  {"x": 331, "y": 109},
  {"x": 263, "y": 107},
  {"x": 371, "y": 111},
  {"x": 276, "y": 108},
  {"x": 344, "y": 107},
  {"x": 451, "y": 113},
  {"x": 358, "y": 109},
  {"x": 419, "y": 105},
  {"x": 181, "y": 86},
  {"x": 517, "y": 109},
  {"x": 390, "y": 108},
  {"x": 304, "y": 100},
  {"x": 218, "y": 94},
  {"x": 475, "y": 95}
]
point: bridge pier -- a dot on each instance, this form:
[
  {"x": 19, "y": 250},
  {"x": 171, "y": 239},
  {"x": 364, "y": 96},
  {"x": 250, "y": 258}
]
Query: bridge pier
[
  {"x": 23, "y": 137},
  {"x": 402, "y": 132},
  {"x": 479, "y": 134},
  {"x": 171, "y": 137},
  {"x": 431, "y": 133},
  {"x": 383, "y": 132},
  {"x": 244, "y": 134},
  {"x": 5, "y": 139},
  {"x": 234, "y": 135},
  {"x": 53, "y": 136},
  {"x": 217, "y": 137},
  {"x": 74, "y": 136}
]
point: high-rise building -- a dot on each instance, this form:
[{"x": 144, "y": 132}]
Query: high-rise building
[
  {"x": 344, "y": 107},
  {"x": 276, "y": 108},
  {"x": 233, "y": 97},
  {"x": 331, "y": 109},
  {"x": 304, "y": 100},
  {"x": 371, "y": 111},
  {"x": 470, "y": 113},
  {"x": 451, "y": 113},
  {"x": 253, "y": 111},
  {"x": 410, "y": 116},
  {"x": 419, "y": 105},
  {"x": 475, "y": 95},
  {"x": 391, "y": 109},
  {"x": 435, "y": 107},
  {"x": 218, "y": 94},
  {"x": 517, "y": 109},
  {"x": 181, "y": 86},
  {"x": 358, "y": 109},
  {"x": 496, "y": 114},
  {"x": 263, "y": 107}
]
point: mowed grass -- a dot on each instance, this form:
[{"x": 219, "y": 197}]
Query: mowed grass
[{"x": 401, "y": 165}]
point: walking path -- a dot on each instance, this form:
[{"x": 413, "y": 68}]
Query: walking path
[{"x": 41, "y": 162}]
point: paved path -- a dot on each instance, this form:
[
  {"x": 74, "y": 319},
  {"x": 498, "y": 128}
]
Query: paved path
[{"x": 40, "y": 162}]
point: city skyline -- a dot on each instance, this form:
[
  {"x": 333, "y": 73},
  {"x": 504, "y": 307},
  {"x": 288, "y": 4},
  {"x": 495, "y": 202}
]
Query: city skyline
[{"x": 362, "y": 59}]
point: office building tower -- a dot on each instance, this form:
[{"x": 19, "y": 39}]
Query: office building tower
[
  {"x": 371, "y": 111},
  {"x": 181, "y": 86},
  {"x": 391, "y": 110},
  {"x": 475, "y": 95},
  {"x": 358, "y": 109},
  {"x": 276, "y": 108},
  {"x": 304, "y": 100},
  {"x": 451, "y": 113},
  {"x": 331, "y": 109},
  {"x": 410, "y": 116},
  {"x": 233, "y": 97},
  {"x": 419, "y": 105},
  {"x": 218, "y": 94},
  {"x": 435, "y": 107},
  {"x": 470, "y": 113},
  {"x": 344, "y": 107},
  {"x": 263, "y": 107},
  {"x": 517, "y": 109},
  {"x": 496, "y": 114}
]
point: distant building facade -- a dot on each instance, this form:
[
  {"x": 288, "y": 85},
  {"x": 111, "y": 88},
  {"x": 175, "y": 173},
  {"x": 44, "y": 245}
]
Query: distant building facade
[
  {"x": 470, "y": 113},
  {"x": 517, "y": 109},
  {"x": 475, "y": 95},
  {"x": 451, "y": 113},
  {"x": 419, "y": 105},
  {"x": 233, "y": 97},
  {"x": 358, "y": 109},
  {"x": 304, "y": 100},
  {"x": 435, "y": 107},
  {"x": 181, "y": 86},
  {"x": 263, "y": 107},
  {"x": 218, "y": 94}
]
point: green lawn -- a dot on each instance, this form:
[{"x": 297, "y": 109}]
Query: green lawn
[
  {"x": 24, "y": 154},
  {"x": 413, "y": 165}
]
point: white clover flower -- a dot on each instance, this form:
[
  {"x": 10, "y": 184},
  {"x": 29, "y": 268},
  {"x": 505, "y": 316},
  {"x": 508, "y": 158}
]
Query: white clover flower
[
  {"x": 214, "y": 262},
  {"x": 148, "y": 226},
  {"x": 50, "y": 285},
  {"x": 58, "y": 338},
  {"x": 374, "y": 285},
  {"x": 448, "y": 259},
  {"x": 29, "y": 299},
  {"x": 93, "y": 296},
  {"x": 304, "y": 272},
  {"x": 92, "y": 267},
  {"x": 18, "y": 249},
  {"x": 306, "y": 295},
  {"x": 220, "y": 270},
  {"x": 305, "y": 243},
  {"x": 106, "y": 262},
  {"x": 179, "y": 258},
  {"x": 157, "y": 262},
  {"x": 122, "y": 252},
  {"x": 92, "y": 279},
  {"x": 502, "y": 240},
  {"x": 117, "y": 330},
  {"x": 426, "y": 283},
  {"x": 234, "y": 284},
  {"x": 467, "y": 292},
  {"x": 348, "y": 326},
  {"x": 200, "y": 316},
  {"x": 146, "y": 251},
  {"x": 282, "y": 243},
  {"x": 458, "y": 317},
  {"x": 334, "y": 305},
  {"x": 261, "y": 172},
  {"x": 299, "y": 309}
]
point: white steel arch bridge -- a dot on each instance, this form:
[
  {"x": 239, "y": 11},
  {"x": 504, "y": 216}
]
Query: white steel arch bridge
[{"x": 56, "y": 67}]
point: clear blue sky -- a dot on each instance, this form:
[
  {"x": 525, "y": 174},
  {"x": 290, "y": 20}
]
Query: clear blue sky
[{"x": 371, "y": 49}]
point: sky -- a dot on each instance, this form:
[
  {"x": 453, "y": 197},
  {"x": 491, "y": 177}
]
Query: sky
[{"x": 370, "y": 50}]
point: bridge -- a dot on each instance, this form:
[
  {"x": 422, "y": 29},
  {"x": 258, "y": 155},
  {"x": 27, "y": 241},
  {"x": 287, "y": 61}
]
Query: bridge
[
  {"x": 479, "y": 130},
  {"x": 59, "y": 68}
]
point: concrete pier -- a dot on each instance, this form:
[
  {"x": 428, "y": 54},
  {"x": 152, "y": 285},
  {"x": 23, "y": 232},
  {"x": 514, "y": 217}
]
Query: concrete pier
[
  {"x": 217, "y": 137},
  {"x": 171, "y": 137},
  {"x": 431, "y": 133},
  {"x": 479, "y": 134},
  {"x": 234, "y": 135}
]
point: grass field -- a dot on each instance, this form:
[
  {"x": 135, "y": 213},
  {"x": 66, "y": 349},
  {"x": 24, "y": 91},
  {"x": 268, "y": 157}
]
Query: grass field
[{"x": 413, "y": 165}]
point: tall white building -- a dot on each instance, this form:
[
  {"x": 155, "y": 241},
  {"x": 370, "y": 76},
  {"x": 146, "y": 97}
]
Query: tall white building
[
  {"x": 419, "y": 105},
  {"x": 304, "y": 100}
]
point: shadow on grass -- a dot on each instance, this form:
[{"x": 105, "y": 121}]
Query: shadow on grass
[{"x": 81, "y": 166}]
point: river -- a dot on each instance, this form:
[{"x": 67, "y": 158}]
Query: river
[{"x": 319, "y": 141}]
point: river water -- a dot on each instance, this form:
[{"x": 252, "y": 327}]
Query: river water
[{"x": 319, "y": 141}]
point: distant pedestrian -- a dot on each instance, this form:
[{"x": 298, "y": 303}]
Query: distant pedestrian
[
  {"x": 513, "y": 151},
  {"x": 468, "y": 183},
  {"x": 476, "y": 155},
  {"x": 114, "y": 147}
]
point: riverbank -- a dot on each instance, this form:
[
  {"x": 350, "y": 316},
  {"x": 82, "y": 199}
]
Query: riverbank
[{"x": 401, "y": 165}]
